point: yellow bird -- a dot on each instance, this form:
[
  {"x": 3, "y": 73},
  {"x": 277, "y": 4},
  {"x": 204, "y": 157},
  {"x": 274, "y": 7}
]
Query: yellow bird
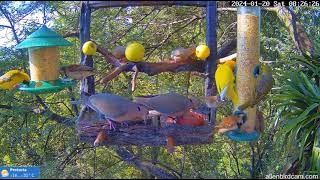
[
  {"x": 13, "y": 78},
  {"x": 225, "y": 81}
]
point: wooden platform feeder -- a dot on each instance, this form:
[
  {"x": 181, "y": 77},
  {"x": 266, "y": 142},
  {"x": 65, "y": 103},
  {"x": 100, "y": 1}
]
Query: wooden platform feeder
[
  {"x": 141, "y": 133},
  {"x": 155, "y": 131},
  {"x": 248, "y": 54},
  {"x": 43, "y": 47}
]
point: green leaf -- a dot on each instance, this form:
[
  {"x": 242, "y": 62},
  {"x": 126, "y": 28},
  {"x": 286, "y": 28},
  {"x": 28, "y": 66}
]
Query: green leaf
[
  {"x": 310, "y": 86},
  {"x": 315, "y": 159},
  {"x": 304, "y": 141},
  {"x": 292, "y": 123}
]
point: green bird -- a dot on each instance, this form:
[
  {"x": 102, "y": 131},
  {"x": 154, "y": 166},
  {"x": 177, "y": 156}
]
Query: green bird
[{"x": 265, "y": 81}]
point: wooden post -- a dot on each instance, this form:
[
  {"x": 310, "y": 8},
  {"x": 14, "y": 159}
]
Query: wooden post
[
  {"x": 211, "y": 36},
  {"x": 87, "y": 84},
  {"x": 248, "y": 54}
]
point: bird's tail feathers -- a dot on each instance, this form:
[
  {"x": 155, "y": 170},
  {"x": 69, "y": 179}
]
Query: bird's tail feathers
[{"x": 223, "y": 93}]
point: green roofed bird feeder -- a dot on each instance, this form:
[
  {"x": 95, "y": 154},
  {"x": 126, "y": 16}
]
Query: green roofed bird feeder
[{"x": 43, "y": 47}]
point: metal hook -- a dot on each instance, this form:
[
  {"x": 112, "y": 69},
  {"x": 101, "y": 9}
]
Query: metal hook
[{"x": 44, "y": 13}]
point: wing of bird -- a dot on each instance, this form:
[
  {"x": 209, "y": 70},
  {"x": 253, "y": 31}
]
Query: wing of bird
[
  {"x": 225, "y": 83},
  {"x": 169, "y": 104},
  {"x": 264, "y": 85},
  {"x": 79, "y": 67},
  {"x": 4, "y": 79},
  {"x": 110, "y": 105}
]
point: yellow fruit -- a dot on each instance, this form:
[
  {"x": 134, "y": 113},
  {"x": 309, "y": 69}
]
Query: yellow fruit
[
  {"x": 202, "y": 52},
  {"x": 134, "y": 52},
  {"x": 89, "y": 48}
]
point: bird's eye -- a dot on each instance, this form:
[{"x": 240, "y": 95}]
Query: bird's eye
[{"x": 139, "y": 109}]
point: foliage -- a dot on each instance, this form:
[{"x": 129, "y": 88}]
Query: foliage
[
  {"x": 299, "y": 99},
  {"x": 34, "y": 139}
]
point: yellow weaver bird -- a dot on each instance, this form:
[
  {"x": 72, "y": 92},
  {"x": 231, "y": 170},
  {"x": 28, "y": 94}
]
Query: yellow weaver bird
[
  {"x": 13, "y": 78},
  {"x": 225, "y": 81}
]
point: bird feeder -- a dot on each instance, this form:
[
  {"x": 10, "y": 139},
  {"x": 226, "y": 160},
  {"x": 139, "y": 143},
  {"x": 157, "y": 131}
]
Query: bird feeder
[
  {"x": 248, "y": 54},
  {"x": 43, "y": 47}
]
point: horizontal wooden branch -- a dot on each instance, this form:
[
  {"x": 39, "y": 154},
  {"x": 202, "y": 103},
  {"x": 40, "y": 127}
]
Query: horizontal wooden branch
[
  {"x": 71, "y": 34},
  {"x": 146, "y": 166},
  {"x": 152, "y": 68},
  {"x": 104, "y": 4}
]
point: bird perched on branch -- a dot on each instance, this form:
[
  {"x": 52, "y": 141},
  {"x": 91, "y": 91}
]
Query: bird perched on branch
[
  {"x": 183, "y": 54},
  {"x": 264, "y": 85},
  {"x": 230, "y": 123},
  {"x": 170, "y": 104},
  {"x": 77, "y": 71},
  {"x": 119, "y": 52},
  {"x": 115, "y": 108},
  {"x": 13, "y": 78},
  {"x": 225, "y": 81}
]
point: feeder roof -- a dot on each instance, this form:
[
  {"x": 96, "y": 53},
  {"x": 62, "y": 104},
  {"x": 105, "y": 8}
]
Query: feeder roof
[{"x": 43, "y": 37}]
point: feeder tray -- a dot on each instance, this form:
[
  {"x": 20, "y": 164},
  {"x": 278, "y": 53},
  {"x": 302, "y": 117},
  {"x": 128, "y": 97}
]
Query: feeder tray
[
  {"x": 139, "y": 133},
  {"x": 44, "y": 87},
  {"x": 237, "y": 135}
]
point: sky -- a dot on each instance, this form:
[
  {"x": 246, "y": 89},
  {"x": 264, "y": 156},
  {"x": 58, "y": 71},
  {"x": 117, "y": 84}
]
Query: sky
[{"x": 6, "y": 33}]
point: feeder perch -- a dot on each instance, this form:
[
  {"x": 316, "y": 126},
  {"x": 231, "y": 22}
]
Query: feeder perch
[
  {"x": 248, "y": 54},
  {"x": 43, "y": 47},
  {"x": 139, "y": 133}
]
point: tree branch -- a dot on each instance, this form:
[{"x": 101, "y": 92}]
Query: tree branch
[
  {"x": 5, "y": 26},
  {"x": 295, "y": 29},
  {"x": 165, "y": 65},
  {"x": 146, "y": 166},
  {"x": 71, "y": 34}
]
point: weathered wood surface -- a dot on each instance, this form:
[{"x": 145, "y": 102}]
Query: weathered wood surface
[
  {"x": 104, "y": 4},
  {"x": 139, "y": 133}
]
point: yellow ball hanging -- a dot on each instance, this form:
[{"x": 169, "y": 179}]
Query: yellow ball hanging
[
  {"x": 202, "y": 52},
  {"x": 89, "y": 48},
  {"x": 134, "y": 52}
]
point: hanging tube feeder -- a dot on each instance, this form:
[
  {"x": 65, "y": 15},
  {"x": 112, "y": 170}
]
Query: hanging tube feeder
[
  {"x": 43, "y": 47},
  {"x": 248, "y": 54}
]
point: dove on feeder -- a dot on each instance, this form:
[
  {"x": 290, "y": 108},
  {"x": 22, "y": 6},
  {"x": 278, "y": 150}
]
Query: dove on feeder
[
  {"x": 77, "y": 71},
  {"x": 170, "y": 104},
  {"x": 116, "y": 108}
]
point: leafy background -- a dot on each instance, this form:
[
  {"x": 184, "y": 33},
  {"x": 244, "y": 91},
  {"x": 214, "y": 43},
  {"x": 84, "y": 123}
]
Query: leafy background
[{"x": 291, "y": 138}]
